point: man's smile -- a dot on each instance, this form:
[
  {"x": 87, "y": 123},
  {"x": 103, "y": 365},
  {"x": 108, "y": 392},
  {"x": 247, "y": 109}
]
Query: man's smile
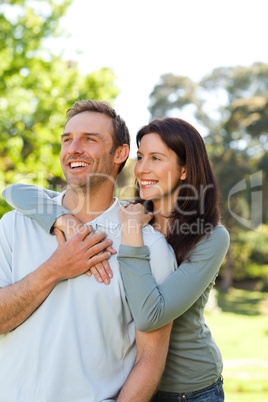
[{"x": 74, "y": 165}]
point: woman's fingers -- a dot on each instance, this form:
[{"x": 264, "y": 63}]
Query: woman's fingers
[
  {"x": 134, "y": 214},
  {"x": 147, "y": 218},
  {"x": 111, "y": 250}
]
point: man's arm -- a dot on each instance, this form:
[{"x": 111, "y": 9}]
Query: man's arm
[
  {"x": 19, "y": 300},
  {"x": 152, "y": 348}
]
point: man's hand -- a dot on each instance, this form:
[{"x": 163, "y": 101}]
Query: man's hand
[
  {"x": 70, "y": 226},
  {"x": 19, "y": 300},
  {"x": 78, "y": 255}
]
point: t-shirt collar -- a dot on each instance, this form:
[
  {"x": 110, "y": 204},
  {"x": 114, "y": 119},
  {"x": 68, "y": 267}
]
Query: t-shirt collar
[{"x": 108, "y": 219}]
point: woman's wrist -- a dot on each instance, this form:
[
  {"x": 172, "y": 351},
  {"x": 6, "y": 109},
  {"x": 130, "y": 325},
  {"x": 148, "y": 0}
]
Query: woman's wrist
[{"x": 131, "y": 235}]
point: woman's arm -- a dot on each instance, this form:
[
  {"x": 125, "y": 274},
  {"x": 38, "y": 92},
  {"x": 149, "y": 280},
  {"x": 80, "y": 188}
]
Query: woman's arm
[
  {"x": 35, "y": 202},
  {"x": 154, "y": 305}
]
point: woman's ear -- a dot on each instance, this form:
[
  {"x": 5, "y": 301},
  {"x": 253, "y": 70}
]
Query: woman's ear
[
  {"x": 183, "y": 173},
  {"x": 121, "y": 154}
]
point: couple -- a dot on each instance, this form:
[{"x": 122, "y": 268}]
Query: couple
[{"x": 66, "y": 337}]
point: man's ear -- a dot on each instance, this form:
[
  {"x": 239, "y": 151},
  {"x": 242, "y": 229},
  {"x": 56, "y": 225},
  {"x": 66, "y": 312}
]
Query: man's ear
[
  {"x": 121, "y": 154},
  {"x": 183, "y": 173}
]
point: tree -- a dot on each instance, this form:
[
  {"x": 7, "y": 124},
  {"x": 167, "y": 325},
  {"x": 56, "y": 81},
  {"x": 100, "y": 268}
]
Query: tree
[
  {"x": 231, "y": 103},
  {"x": 36, "y": 89}
]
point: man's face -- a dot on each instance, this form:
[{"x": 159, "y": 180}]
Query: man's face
[{"x": 85, "y": 150}]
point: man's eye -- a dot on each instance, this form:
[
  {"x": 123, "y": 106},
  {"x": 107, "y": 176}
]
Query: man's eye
[
  {"x": 139, "y": 158},
  {"x": 91, "y": 139},
  {"x": 67, "y": 140},
  {"x": 155, "y": 158}
]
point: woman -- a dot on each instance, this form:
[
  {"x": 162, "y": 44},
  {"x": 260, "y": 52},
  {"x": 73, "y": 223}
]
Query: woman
[
  {"x": 178, "y": 189},
  {"x": 177, "y": 185}
]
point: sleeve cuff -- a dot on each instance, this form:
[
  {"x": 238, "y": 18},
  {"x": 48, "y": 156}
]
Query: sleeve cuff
[{"x": 141, "y": 252}]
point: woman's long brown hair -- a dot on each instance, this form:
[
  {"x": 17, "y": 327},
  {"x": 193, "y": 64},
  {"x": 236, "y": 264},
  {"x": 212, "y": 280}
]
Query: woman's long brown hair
[{"x": 196, "y": 211}]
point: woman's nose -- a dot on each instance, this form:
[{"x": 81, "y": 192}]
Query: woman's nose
[{"x": 142, "y": 167}]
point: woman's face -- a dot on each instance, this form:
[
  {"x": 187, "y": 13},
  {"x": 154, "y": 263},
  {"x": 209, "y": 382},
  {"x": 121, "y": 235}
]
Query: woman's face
[{"x": 157, "y": 171}]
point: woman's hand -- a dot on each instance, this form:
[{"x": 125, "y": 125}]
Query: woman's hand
[
  {"x": 70, "y": 226},
  {"x": 132, "y": 219}
]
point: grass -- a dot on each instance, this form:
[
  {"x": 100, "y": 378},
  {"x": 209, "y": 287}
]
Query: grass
[{"x": 241, "y": 331}]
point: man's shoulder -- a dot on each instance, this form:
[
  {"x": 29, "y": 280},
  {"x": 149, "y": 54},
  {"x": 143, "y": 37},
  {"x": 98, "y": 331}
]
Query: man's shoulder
[
  {"x": 7, "y": 224},
  {"x": 9, "y": 216},
  {"x": 16, "y": 218}
]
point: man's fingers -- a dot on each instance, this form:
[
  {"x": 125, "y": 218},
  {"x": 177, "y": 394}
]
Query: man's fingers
[
  {"x": 102, "y": 269},
  {"x": 102, "y": 272},
  {"x": 90, "y": 238},
  {"x": 97, "y": 248},
  {"x": 96, "y": 274},
  {"x": 59, "y": 236},
  {"x": 83, "y": 232},
  {"x": 97, "y": 239},
  {"x": 107, "y": 268},
  {"x": 96, "y": 259}
]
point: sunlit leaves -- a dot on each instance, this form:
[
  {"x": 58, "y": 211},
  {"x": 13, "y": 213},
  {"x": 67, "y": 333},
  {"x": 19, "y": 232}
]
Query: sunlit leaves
[{"x": 36, "y": 89}]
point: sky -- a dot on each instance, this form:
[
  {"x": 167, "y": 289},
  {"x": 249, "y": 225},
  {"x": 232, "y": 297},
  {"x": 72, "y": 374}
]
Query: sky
[{"x": 141, "y": 40}]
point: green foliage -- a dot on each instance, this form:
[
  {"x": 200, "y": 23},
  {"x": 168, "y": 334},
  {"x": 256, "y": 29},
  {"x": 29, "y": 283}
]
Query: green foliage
[
  {"x": 172, "y": 92},
  {"x": 240, "y": 330},
  {"x": 36, "y": 89},
  {"x": 250, "y": 256}
]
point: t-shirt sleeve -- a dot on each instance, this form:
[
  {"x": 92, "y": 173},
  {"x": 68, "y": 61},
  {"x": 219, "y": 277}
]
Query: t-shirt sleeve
[
  {"x": 154, "y": 305},
  {"x": 6, "y": 250},
  {"x": 35, "y": 202},
  {"x": 160, "y": 251}
]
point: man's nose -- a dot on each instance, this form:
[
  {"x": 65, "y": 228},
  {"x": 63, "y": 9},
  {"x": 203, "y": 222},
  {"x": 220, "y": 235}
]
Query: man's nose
[{"x": 75, "y": 147}]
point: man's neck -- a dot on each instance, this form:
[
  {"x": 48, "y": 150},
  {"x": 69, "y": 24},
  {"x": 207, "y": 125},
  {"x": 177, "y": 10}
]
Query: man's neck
[{"x": 87, "y": 206}]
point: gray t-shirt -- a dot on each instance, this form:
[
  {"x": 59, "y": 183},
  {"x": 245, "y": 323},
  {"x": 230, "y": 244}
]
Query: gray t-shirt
[{"x": 79, "y": 345}]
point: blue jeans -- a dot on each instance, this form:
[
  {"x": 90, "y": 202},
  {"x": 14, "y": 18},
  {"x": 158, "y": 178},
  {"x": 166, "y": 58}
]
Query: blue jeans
[{"x": 213, "y": 393}]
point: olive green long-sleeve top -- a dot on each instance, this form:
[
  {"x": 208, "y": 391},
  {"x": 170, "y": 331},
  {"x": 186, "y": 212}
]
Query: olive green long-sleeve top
[{"x": 194, "y": 360}]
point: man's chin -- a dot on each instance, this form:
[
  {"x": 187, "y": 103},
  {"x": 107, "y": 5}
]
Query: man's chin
[{"x": 78, "y": 186}]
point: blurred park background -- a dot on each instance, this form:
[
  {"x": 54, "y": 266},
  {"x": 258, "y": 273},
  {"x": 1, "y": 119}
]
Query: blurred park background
[{"x": 42, "y": 74}]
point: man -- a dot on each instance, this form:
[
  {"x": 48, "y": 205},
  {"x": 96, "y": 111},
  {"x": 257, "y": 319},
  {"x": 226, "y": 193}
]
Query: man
[{"x": 65, "y": 337}]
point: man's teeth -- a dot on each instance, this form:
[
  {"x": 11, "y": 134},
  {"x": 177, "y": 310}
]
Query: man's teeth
[
  {"x": 78, "y": 164},
  {"x": 148, "y": 182}
]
